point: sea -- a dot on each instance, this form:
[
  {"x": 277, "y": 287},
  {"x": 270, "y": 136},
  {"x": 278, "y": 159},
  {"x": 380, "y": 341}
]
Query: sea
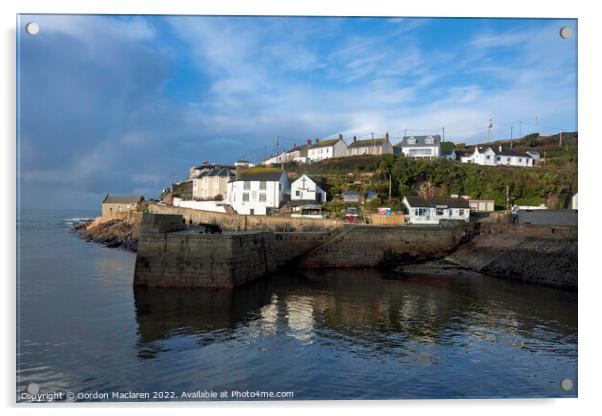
[{"x": 84, "y": 333}]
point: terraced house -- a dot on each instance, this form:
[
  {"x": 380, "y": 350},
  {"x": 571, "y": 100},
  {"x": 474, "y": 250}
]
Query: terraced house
[
  {"x": 211, "y": 183},
  {"x": 374, "y": 146},
  {"x": 326, "y": 149}
]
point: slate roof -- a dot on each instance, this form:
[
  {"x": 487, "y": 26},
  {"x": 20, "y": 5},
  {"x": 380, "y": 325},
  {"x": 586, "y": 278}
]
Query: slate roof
[
  {"x": 269, "y": 175},
  {"x": 367, "y": 143},
  {"x": 509, "y": 152},
  {"x": 122, "y": 199},
  {"x": 215, "y": 172},
  {"x": 421, "y": 141},
  {"x": 415, "y": 201}
]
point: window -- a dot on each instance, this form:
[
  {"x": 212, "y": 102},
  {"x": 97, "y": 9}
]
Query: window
[
  {"x": 520, "y": 159},
  {"x": 263, "y": 185},
  {"x": 508, "y": 160},
  {"x": 429, "y": 140},
  {"x": 279, "y": 186},
  {"x": 411, "y": 140},
  {"x": 262, "y": 197},
  {"x": 498, "y": 158},
  {"x": 245, "y": 197},
  {"x": 461, "y": 212},
  {"x": 247, "y": 186},
  {"x": 420, "y": 212},
  {"x": 488, "y": 157},
  {"x": 298, "y": 192},
  {"x": 439, "y": 211}
]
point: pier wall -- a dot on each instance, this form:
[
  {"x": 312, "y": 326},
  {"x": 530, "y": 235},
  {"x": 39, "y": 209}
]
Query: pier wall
[
  {"x": 235, "y": 222},
  {"x": 170, "y": 256}
]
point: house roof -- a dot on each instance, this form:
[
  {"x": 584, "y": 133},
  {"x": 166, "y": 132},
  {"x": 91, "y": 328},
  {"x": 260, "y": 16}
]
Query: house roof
[
  {"x": 510, "y": 152},
  {"x": 415, "y": 201},
  {"x": 122, "y": 199},
  {"x": 367, "y": 143},
  {"x": 421, "y": 141},
  {"x": 215, "y": 172},
  {"x": 464, "y": 152},
  {"x": 324, "y": 143},
  {"x": 260, "y": 174}
]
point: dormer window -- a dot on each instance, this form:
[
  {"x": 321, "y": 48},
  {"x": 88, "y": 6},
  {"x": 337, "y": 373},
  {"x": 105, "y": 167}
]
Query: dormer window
[
  {"x": 411, "y": 140},
  {"x": 429, "y": 140}
]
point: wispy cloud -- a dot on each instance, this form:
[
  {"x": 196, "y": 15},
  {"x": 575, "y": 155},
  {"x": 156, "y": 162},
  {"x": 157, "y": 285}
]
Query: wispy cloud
[{"x": 124, "y": 103}]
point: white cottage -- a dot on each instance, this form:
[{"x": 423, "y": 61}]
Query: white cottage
[
  {"x": 258, "y": 191},
  {"x": 307, "y": 189},
  {"x": 433, "y": 210},
  {"x": 326, "y": 149},
  {"x": 421, "y": 147},
  {"x": 487, "y": 156}
]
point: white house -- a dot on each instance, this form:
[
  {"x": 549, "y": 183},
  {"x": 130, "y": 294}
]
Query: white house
[
  {"x": 500, "y": 157},
  {"x": 433, "y": 210},
  {"x": 326, "y": 149},
  {"x": 258, "y": 191},
  {"x": 307, "y": 189},
  {"x": 424, "y": 147},
  {"x": 279, "y": 158}
]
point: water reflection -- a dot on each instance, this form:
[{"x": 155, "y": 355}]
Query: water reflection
[{"x": 365, "y": 310}]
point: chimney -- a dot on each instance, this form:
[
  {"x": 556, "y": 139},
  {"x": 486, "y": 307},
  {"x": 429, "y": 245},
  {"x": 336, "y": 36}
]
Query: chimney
[
  {"x": 387, "y": 136},
  {"x": 309, "y": 142},
  {"x": 317, "y": 140},
  {"x": 354, "y": 139},
  {"x": 500, "y": 148},
  {"x": 340, "y": 136}
]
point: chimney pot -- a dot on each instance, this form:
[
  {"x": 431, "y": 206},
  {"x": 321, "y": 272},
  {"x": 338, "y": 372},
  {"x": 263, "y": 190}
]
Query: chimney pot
[
  {"x": 387, "y": 135},
  {"x": 317, "y": 140},
  {"x": 308, "y": 141},
  {"x": 354, "y": 138},
  {"x": 340, "y": 136}
]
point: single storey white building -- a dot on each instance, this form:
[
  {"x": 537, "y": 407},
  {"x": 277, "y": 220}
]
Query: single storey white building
[
  {"x": 307, "y": 189},
  {"x": 433, "y": 210},
  {"x": 258, "y": 191}
]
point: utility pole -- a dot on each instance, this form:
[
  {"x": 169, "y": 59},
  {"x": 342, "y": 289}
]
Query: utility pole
[
  {"x": 389, "y": 187},
  {"x": 520, "y": 129},
  {"x": 265, "y": 152},
  {"x": 277, "y": 140},
  {"x": 372, "y": 135},
  {"x": 511, "y": 136},
  {"x": 560, "y": 145},
  {"x": 489, "y": 131},
  {"x": 507, "y": 197},
  {"x": 443, "y": 137},
  {"x": 405, "y": 132}
]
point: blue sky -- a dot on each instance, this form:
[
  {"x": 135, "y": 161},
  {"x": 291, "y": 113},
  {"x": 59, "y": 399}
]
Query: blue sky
[{"x": 125, "y": 104}]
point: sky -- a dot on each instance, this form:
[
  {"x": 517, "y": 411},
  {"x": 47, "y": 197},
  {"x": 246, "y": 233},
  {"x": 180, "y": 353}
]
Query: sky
[{"x": 127, "y": 104}]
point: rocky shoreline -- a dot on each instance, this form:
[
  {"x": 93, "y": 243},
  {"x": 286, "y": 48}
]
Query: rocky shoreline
[{"x": 113, "y": 234}]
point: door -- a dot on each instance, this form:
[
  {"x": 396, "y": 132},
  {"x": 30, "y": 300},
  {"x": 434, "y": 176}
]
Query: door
[{"x": 252, "y": 211}]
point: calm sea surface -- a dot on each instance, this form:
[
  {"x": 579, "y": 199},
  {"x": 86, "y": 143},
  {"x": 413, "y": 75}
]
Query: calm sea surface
[{"x": 338, "y": 334}]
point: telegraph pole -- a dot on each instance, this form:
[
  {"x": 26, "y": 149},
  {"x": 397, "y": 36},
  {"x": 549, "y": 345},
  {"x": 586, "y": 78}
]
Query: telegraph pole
[
  {"x": 489, "y": 131},
  {"x": 520, "y": 129},
  {"x": 511, "y": 136},
  {"x": 560, "y": 140},
  {"x": 443, "y": 137},
  {"x": 277, "y": 140}
]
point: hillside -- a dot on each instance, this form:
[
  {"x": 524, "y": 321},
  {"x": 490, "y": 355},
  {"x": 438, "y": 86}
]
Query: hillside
[{"x": 552, "y": 182}]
